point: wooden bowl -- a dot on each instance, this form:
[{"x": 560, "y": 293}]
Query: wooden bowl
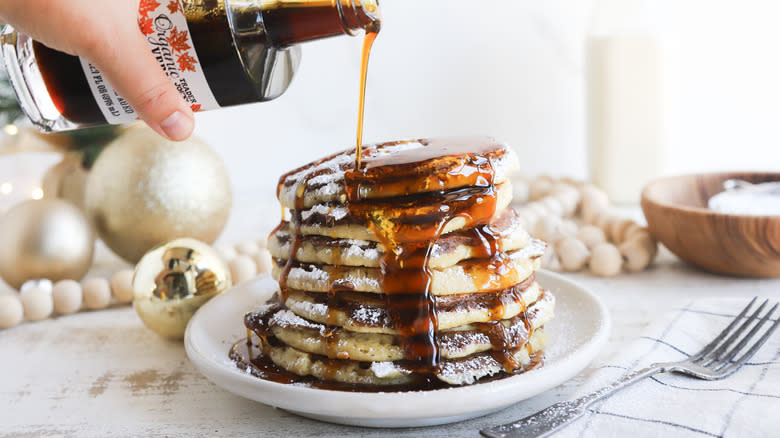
[{"x": 677, "y": 215}]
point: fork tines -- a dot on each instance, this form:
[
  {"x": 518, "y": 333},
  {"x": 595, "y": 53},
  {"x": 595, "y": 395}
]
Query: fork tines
[{"x": 719, "y": 354}]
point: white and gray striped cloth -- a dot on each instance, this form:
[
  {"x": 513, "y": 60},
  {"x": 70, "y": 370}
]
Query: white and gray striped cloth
[{"x": 746, "y": 404}]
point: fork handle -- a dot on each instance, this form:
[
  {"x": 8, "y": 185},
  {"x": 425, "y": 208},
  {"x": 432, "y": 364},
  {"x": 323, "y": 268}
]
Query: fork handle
[{"x": 558, "y": 415}]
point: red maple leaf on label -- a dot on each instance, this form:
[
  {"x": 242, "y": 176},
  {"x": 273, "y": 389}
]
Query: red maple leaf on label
[
  {"x": 178, "y": 40},
  {"x": 187, "y": 62},
  {"x": 147, "y": 6},
  {"x": 174, "y": 6},
  {"x": 195, "y": 108},
  {"x": 146, "y": 25}
]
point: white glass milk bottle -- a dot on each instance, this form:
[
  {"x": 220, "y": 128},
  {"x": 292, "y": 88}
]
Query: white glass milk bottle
[{"x": 628, "y": 96}]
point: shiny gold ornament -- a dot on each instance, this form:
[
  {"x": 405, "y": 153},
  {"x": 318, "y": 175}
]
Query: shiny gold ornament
[
  {"x": 48, "y": 238},
  {"x": 144, "y": 190},
  {"x": 173, "y": 280}
]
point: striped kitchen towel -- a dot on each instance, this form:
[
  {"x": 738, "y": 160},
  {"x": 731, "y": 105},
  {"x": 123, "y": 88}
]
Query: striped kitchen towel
[{"x": 746, "y": 404}]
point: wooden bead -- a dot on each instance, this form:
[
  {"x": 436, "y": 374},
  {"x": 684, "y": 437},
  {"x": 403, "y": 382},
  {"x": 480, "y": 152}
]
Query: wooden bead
[
  {"x": 643, "y": 233},
  {"x": 550, "y": 259},
  {"x": 591, "y": 236},
  {"x": 263, "y": 262},
  {"x": 617, "y": 228},
  {"x": 520, "y": 191},
  {"x": 11, "y": 311},
  {"x": 242, "y": 268},
  {"x": 67, "y": 296},
  {"x": 249, "y": 248},
  {"x": 537, "y": 208},
  {"x": 568, "y": 196},
  {"x": 631, "y": 230},
  {"x": 605, "y": 220},
  {"x": 552, "y": 205},
  {"x": 528, "y": 218},
  {"x": 589, "y": 216},
  {"x": 605, "y": 260},
  {"x": 97, "y": 293},
  {"x": 122, "y": 286},
  {"x": 572, "y": 253},
  {"x": 569, "y": 228},
  {"x": 548, "y": 228},
  {"x": 539, "y": 188},
  {"x": 639, "y": 251},
  {"x": 42, "y": 283},
  {"x": 594, "y": 201},
  {"x": 226, "y": 253},
  {"x": 37, "y": 303},
  {"x": 636, "y": 256}
]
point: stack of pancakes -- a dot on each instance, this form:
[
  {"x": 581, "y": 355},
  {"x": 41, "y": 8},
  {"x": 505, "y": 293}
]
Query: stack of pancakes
[{"x": 408, "y": 269}]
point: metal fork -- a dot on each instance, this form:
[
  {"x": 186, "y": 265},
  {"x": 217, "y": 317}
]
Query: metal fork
[{"x": 715, "y": 361}]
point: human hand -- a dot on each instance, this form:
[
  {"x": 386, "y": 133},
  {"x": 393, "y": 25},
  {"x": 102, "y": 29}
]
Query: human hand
[{"x": 105, "y": 32}]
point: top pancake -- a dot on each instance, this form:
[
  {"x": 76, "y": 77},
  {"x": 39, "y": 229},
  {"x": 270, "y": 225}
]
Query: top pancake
[{"x": 399, "y": 168}]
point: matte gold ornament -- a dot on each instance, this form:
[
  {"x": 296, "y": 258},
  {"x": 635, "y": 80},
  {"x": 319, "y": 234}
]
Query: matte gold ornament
[
  {"x": 173, "y": 280},
  {"x": 47, "y": 238},
  {"x": 144, "y": 190},
  {"x": 66, "y": 180}
]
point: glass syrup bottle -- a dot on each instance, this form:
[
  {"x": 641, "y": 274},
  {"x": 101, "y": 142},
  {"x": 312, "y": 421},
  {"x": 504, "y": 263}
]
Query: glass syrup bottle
[{"x": 217, "y": 53}]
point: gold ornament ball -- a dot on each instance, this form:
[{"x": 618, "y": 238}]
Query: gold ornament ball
[
  {"x": 47, "y": 238},
  {"x": 144, "y": 190},
  {"x": 173, "y": 280},
  {"x": 66, "y": 180}
]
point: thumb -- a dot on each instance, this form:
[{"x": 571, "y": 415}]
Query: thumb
[{"x": 132, "y": 70}]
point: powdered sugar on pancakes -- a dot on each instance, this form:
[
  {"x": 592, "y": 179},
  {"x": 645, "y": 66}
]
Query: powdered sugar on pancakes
[{"x": 325, "y": 180}]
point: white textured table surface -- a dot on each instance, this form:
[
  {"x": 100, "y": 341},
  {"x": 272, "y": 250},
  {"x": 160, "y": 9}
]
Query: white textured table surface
[{"x": 102, "y": 374}]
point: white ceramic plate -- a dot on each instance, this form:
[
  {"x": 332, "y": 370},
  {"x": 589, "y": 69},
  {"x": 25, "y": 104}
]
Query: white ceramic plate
[{"x": 576, "y": 335}]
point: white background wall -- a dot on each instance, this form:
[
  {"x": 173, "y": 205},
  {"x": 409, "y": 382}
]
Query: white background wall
[{"x": 513, "y": 69}]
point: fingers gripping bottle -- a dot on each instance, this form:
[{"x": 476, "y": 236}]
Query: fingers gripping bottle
[{"x": 216, "y": 52}]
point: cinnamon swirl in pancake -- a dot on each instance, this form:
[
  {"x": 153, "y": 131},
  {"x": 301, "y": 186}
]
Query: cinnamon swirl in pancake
[{"x": 409, "y": 272}]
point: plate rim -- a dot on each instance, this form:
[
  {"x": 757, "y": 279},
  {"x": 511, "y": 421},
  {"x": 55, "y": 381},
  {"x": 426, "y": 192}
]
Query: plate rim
[{"x": 374, "y": 405}]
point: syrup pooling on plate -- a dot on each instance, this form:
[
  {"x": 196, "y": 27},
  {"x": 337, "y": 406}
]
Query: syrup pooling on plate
[
  {"x": 262, "y": 367},
  {"x": 265, "y": 321}
]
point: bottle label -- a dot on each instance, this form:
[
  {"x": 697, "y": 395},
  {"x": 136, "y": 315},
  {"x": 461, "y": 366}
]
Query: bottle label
[{"x": 164, "y": 25}]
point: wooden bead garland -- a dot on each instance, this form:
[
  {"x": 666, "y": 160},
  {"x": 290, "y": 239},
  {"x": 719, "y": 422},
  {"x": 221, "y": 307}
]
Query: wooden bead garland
[
  {"x": 575, "y": 220},
  {"x": 40, "y": 299}
]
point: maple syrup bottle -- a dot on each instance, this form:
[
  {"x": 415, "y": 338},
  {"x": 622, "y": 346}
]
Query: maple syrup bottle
[{"x": 217, "y": 53}]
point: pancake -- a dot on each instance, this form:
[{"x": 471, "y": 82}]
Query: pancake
[
  {"x": 335, "y": 220},
  {"x": 324, "y": 181},
  {"x": 461, "y": 371},
  {"x": 371, "y": 316},
  {"x": 472, "y": 275},
  {"x": 448, "y": 250},
  {"x": 454, "y": 343}
]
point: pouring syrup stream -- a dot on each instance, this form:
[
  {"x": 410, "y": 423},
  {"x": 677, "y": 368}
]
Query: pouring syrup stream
[{"x": 371, "y": 33}]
